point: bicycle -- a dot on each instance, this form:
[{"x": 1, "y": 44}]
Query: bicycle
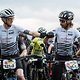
[
  {"x": 35, "y": 72},
  {"x": 49, "y": 65},
  {"x": 7, "y": 68},
  {"x": 71, "y": 71},
  {"x": 72, "y": 68}
]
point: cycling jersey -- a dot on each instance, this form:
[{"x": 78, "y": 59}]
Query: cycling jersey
[
  {"x": 37, "y": 44},
  {"x": 64, "y": 40},
  {"x": 8, "y": 42}
]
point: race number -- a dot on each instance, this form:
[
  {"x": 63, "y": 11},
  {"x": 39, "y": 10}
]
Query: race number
[
  {"x": 71, "y": 65},
  {"x": 9, "y": 64}
]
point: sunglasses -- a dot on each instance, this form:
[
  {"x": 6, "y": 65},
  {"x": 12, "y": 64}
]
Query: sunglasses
[{"x": 62, "y": 21}]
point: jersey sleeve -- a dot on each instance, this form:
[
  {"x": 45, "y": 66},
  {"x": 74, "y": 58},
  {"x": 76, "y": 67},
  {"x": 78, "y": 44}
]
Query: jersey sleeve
[
  {"x": 19, "y": 29},
  {"x": 77, "y": 34}
]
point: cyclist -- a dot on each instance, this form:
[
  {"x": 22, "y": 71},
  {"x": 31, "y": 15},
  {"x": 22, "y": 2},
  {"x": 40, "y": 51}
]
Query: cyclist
[
  {"x": 37, "y": 43},
  {"x": 37, "y": 49},
  {"x": 22, "y": 45},
  {"x": 49, "y": 42},
  {"x": 8, "y": 41},
  {"x": 35, "y": 39},
  {"x": 64, "y": 38},
  {"x": 49, "y": 51}
]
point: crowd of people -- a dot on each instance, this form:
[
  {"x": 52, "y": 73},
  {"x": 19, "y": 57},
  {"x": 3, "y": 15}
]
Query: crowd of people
[{"x": 14, "y": 42}]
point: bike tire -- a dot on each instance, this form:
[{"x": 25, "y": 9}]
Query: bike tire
[
  {"x": 46, "y": 74},
  {"x": 34, "y": 75}
]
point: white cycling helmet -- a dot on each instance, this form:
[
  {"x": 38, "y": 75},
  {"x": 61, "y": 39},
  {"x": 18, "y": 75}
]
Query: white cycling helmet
[
  {"x": 42, "y": 30},
  {"x": 6, "y": 13}
]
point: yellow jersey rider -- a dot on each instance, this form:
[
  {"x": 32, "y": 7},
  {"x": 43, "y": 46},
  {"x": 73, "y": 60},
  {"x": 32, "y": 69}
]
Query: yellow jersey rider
[{"x": 37, "y": 44}]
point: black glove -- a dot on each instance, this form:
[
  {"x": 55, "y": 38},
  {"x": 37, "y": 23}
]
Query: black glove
[
  {"x": 26, "y": 31},
  {"x": 42, "y": 35},
  {"x": 50, "y": 34}
]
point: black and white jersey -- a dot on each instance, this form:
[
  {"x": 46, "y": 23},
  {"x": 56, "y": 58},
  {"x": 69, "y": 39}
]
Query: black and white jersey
[
  {"x": 8, "y": 41},
  {"x": 64, "y": 40}
]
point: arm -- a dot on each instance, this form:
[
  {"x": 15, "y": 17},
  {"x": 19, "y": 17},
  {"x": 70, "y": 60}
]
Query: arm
[
  {"x": 35, "y": 34},
  {"x": 24, "y": 50},
  {"x": 24, "y": 53},
  {"x": 78, "y": 53},
  {"x": 50, "y": 48}
]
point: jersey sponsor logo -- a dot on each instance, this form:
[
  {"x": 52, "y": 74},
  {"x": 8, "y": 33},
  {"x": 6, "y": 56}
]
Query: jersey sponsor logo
[
  {"x": 11, "y": 32},
  {"x": 70, "y": 34}
]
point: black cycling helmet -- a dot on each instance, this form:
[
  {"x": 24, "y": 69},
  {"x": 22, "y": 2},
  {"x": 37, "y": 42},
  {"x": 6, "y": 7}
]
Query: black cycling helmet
[
  {"x": 67, "y": 15},
  {"x": 50, "y": 34},
  {"x": 6, "y": 13}
]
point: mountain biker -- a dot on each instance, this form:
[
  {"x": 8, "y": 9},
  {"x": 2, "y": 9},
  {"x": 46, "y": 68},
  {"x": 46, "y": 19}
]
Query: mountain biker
[
  {"x": 63, "y": 44},
  {"x": 49, "y": 51},
  {"x": 22, "y": 45},
  {"x": 23, "y": 38},
  {"x": 8, "y": 41},
  {"x": 36, "y": 49},
  {"x": 49, "y": 42},
  {"x": 37, "y": 43}
]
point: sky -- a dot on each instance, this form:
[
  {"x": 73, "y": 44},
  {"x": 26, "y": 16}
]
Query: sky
[{"x": 32, "y": 14}]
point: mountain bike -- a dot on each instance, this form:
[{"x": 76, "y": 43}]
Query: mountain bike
[
  {"x": 71, "y": 71},
  {"x": 72, "y": 68},
  {"x": 38, "y": 72},
  {"x": 7, "y": 68}
]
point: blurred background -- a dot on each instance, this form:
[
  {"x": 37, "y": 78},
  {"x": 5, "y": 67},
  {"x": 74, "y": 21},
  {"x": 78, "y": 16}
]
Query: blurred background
[{"x": 32, "y": 14}]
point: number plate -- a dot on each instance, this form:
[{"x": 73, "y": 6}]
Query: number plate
[
  {"x": 9, "y": 64},
  {"x": 71, "y": 65}
]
